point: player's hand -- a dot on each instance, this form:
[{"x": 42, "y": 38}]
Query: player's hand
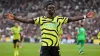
[
  {"x": 90, "y": 14},
  {"x": 11, "y": 16}
]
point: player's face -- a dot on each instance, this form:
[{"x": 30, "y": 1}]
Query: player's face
[
  {"x": 16, "y": 24},
  {"x": 51, "y": 9}
]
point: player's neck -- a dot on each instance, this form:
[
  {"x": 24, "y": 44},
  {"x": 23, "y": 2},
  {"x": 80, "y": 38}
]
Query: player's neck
[
  {"x": 16, "y": 26},
  {"x": 51, "y": 16}
]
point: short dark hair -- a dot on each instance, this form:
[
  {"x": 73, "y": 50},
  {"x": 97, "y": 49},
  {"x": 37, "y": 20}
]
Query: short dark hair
[{"x": 49, "y": 3}]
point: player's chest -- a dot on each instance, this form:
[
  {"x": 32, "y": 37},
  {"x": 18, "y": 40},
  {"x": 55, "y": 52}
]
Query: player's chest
[
  {"x": 49, "y": 23},
  {"x": 16, "y": 30}
]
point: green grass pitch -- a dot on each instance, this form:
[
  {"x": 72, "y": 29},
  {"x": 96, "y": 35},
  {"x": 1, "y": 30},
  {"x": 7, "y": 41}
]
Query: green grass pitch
[{"x": 32, "y": 49}]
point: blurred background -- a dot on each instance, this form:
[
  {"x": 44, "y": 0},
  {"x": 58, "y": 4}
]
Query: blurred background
[{"x": 35, "y": 8}]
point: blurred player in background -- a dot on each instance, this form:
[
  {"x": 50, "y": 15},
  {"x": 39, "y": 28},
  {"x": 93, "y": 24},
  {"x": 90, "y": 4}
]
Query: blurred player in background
[
  {"x": 49, "y": 25},
  {"x": 81, "y": 38},
  {"x": 16, "y": 30}
]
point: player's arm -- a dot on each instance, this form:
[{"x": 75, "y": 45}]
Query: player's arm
[
  {"x": 24, "y": 20},
  {"x": 77, "y": 18}
]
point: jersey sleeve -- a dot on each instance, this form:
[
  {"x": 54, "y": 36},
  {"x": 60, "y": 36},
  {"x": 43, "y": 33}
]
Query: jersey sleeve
[
  {"x": 64, "y": 20},
  {"x": 38, "y": 20}
]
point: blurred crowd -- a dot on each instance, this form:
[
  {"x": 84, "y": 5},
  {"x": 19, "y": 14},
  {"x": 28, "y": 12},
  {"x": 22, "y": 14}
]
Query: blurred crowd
[{"x": 35, "y": 8}]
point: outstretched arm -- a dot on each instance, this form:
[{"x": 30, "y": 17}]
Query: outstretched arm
[
  {"x": 24, "y": 20},
  {"x": 77, "y": 18},
  {"x": 89, "y": 15}
]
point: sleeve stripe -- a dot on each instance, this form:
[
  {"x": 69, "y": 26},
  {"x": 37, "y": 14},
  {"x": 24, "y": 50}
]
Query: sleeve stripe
[
  {"x": 58, "y": 19},
  {"x": 35, "y": 20},
  {"x": 39, "y": 20},
  {"x": 65, "y": 20}
]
